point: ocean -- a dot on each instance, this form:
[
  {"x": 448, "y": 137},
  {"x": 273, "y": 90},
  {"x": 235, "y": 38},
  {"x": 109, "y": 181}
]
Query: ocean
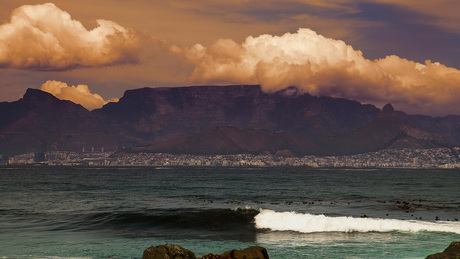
[{"x": 294, "y": 212}]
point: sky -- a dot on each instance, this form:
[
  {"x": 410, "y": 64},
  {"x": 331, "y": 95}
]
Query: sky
[{"x": 376, "y": 51}]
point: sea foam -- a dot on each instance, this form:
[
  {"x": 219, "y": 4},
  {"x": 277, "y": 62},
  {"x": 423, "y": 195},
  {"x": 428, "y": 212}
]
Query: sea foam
[{"x": 309, "y": 223}]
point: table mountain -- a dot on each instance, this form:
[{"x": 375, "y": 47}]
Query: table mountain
[
  {"x": 238, "y": 117},
  {"x": 159, "y": 114}
]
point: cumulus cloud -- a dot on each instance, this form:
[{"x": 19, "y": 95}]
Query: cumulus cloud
[
  {"x": 326, "y": 67},
  {"x": 44, "y": 37},
  {"x": 78, "y": 94}
]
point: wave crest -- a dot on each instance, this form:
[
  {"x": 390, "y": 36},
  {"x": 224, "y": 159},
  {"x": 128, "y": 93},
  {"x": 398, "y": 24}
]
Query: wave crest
[{"x": 309, "y": 223}]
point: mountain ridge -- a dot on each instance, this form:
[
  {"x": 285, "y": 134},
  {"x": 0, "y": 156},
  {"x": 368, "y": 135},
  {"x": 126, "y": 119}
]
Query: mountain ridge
[
  {"x": 150, "y": 116},
  {"x": 39, "y": 121},
  {"x": 386, "y": 130},
  {"x": 158, "y": 114}
]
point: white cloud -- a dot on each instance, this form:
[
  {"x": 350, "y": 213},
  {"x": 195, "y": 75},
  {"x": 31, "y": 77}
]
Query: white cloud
[
  {"x": 78, "y": 94},
  {"x": 324, "y": 66},
  {"x": 44, "y": 37}
]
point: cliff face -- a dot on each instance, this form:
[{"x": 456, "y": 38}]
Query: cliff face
[{"x": 158, "y": 114}]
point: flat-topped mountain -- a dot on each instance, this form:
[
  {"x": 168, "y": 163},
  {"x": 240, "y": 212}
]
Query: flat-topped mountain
[
  {"x": 242, "y": 117},
  {"x": 158, "y": 114}
]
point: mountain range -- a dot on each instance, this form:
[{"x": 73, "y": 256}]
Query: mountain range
[{"x": 217, "y": 120}]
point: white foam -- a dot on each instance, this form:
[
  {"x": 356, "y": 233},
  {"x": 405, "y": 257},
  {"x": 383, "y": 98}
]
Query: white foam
[{"x": 309, "y": 223}]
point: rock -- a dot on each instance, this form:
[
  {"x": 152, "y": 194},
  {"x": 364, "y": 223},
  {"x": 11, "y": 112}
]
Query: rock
[
  {"x": 212, "y": 256},
  {"x": 168, "y": 252},
  {"x": 451, "y": 252},
  {"x": 253, "y": 252},
  {"x": 178, "y": 252}
]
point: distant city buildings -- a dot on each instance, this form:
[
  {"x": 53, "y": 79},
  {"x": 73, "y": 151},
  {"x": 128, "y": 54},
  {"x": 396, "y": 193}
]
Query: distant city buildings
[{"x": 404, "y": 158}]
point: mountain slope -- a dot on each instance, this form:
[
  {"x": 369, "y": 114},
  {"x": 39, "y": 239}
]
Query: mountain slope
[
  {"x": 40, "y": 121},
  {"x": 386, "y": 130},
  {"x": 227, "y": 140},
  {"x": 447, "y": 126}
]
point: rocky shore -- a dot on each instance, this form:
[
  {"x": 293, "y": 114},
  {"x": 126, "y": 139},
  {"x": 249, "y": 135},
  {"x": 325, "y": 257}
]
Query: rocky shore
[
  {"x": 177, "y": 252},
  {"x": 255, "y": 252}
]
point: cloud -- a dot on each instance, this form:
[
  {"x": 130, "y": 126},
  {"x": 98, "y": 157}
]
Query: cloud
[
  {"x": 44, "y": 37},
  {"x": 329, "y": 67},
  {"x": 78, "y": 94}
]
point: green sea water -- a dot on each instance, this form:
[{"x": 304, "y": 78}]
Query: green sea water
[{"x": 78, "y": 212}]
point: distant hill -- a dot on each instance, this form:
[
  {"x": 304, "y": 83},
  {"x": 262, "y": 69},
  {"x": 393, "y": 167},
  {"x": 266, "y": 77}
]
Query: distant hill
[
  {"x": 446, "y": 126},
  {"x": 386, "y": 131},
  {"x": 40, "y": 122},
  {"x": 237, "y": 117}
]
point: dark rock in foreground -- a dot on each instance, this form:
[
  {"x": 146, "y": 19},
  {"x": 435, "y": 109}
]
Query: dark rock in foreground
[
  {"x": 178, "y": 252},
  {"x": 451, "y": 252},
  {"x": 253, "y": 252},
  {"x": 168, "y": 252}
]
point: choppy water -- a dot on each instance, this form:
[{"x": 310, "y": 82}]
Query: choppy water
[{"x": 293, "y": 212}]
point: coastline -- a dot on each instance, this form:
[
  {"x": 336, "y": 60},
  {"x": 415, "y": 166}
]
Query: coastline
[{"x": 443, "y": 158}]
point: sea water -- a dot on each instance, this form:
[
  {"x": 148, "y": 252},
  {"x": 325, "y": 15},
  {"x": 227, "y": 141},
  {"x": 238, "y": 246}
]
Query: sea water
[{"x": 294, "y": 212}]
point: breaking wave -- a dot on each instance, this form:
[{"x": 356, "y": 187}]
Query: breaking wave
[
  {"x": 214, "y": 219},
  {"x": 309, "y": 223}
]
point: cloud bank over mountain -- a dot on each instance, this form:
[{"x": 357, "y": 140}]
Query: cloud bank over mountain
[
  {"x": 78, "y": 94},
  {"x": 44, "y": 37},
  {"x": 326, "y": 67}
]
